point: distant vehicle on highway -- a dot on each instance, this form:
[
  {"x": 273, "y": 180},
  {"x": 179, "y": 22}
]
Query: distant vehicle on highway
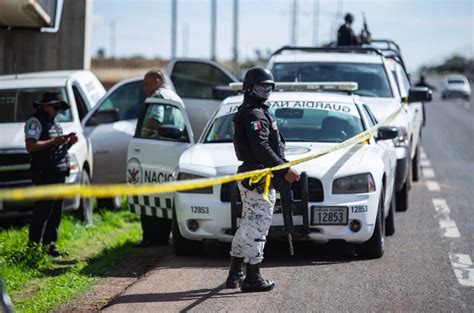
[
  {"x": 82, "y": 90},
  {"x": 202, "y": 85},
  {"x": 456, "y": 86},
  {"x": 348, "y": 193}
]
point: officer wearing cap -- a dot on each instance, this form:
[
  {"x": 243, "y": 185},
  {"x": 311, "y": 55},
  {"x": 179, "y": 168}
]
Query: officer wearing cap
[
  {"x": 345, "y": 34},
  {"x": 258, "y": 144},
  {"x": 48, "y": 148}
]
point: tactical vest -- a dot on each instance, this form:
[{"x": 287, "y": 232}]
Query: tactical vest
[{"x": 54, "y": 158}]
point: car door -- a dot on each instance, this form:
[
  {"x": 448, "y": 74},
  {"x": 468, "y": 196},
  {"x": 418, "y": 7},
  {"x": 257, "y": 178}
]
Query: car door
[
  {"x": 110, "y": 126},
  {"x": 202, "y": 84},
  {"x": 163, "y": 133},
  {"x": 415, "y": 109}
]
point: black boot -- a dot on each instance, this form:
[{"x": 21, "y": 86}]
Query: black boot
[
  {"x": 236, "y": 273},
  {"x": 254, "y": 281}
]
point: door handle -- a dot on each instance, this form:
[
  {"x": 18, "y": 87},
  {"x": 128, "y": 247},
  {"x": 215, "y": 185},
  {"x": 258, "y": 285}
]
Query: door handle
[
  {"x": 102, "y": 152},
  {"x": 137, "y": 150}
]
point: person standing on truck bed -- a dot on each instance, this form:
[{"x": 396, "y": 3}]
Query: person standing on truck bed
[
  {"x": 48, "y": 148},
  {"x": 156, "y": 230}
]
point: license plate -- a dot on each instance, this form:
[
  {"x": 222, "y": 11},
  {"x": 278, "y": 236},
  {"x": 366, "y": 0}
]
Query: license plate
[{"x": 329, "y": 215}]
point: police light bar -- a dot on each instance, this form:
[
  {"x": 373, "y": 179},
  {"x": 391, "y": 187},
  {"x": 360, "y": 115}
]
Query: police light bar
[{"x": 300, "y": 86}]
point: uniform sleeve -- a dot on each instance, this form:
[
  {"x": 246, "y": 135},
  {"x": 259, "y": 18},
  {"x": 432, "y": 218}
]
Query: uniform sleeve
[
  {"x": 258, "y": 131},
  {"x": 33, "y": 129}
]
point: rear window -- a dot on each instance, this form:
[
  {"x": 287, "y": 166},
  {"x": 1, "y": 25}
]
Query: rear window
[
  {"x": 372, "y": 78},
  {"x": 17, "y": 104},
  {"x": 456, "y": 81}
]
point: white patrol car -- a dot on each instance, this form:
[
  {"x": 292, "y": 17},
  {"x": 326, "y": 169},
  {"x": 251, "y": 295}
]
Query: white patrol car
[
  {"x": 82, "y": 90},
  {"x": 350, "y": 191},
  {"x": 383, "y": 86}
]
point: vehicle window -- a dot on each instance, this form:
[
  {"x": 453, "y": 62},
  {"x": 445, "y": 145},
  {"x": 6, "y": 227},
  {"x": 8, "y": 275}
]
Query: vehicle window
[
  {"x": 160, "y": 120},
  {"x": 80, "y": 103},
  {"x": 127, "y": 99},
  {"x": 299, "y": 124},
  {"x": 197, "y": 80},
  {"x": 403, "y": 81},
  {"x": 456, "y": 81},
  {"x": 371, "y": 119},
  {"x": 17, "y": 104},
  {"x": 371, "y": 78}
]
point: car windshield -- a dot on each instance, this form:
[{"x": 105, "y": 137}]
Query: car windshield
[
  {"x": 17, "y": 104},
  {"x": 372, "y": 79},
  {"x": 456, "y": 81},
  {"x": 299, "y": 121}
]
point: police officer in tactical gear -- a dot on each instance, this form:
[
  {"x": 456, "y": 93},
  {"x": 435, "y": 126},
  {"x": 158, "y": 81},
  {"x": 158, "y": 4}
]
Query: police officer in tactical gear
[
  {"x": 258, "y": 144},
  {"x": 345, "y": 34},
  {"x": 48, "y": 148}
]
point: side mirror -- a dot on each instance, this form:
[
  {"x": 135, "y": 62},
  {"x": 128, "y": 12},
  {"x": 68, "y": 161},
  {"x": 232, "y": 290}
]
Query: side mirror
[
  {"x": 419, "y": 94},
  {"x": 387, "y": 132},
  {"x": 171, "y": 132},
  {"x": 104, "y": 117},
  {"x": 222, "y": 92}
]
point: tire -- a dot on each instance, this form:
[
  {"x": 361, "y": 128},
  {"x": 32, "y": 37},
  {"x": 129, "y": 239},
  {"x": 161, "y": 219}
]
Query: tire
[
  {"x": 84, "y": 213},
  {"x": 374, "y": 247},
  {"x": 416, "y": 169},
  {"x": 183, "y": 246},
  {"x": 390, "y": 220},
  {"x": 401, "y": 198},
  {"x": 111, "y": 204}
]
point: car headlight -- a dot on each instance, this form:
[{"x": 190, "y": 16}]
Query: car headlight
[
  {"x": 361, "y": 183},
  {"x": 402, "y": 139},
  {"x": 187, "y": 176},
  {"x": 73, "y": 165}
]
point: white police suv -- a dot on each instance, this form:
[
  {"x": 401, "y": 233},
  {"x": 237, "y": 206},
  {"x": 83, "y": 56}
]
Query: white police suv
[{"x": 349, "y": 192}]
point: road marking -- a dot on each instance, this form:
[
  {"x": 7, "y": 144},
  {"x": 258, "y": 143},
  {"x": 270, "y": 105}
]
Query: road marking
[
  {"x": 463, "y": 268},
  {"x": 432, "y": 185},
  {"x": 428, "y": 173},
  {"x": 425, "y": 163},
  {"x": 450, "y": 230},
  {"x": 423, "y": 155}
]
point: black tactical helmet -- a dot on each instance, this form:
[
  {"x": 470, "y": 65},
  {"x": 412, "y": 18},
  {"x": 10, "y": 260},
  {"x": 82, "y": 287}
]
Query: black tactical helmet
[
  {"x": 257, "y": 75},
  {"x": 349, "y": 18}
]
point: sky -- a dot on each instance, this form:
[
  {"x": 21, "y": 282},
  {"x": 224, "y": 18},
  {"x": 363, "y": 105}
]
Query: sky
[{"x": 428, "y": 31}]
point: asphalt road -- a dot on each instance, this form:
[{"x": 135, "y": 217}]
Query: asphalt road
[{"x": 427, "y": 265}]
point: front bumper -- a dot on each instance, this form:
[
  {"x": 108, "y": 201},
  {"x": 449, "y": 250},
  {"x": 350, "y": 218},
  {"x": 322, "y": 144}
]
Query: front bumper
[{"x": 217, "y": 223}]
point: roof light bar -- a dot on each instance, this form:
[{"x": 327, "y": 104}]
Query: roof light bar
[{"x": 310, "y": 86}]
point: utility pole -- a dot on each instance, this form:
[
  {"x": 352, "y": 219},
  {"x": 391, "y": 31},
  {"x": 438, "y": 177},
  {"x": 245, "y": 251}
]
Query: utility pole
[
  {"x": 112, "y": 39},
  {"x": 213, "y": 28},
  {"x": 316, "y": 23},
  {"x": 294, "y": 22},
  {"x": 236, "y": 37},
  {"x": 174, "y": 23},
  {"x": 185, "y": 39}
]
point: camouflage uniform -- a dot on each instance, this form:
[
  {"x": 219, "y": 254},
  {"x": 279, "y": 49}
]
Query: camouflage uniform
[{"x": 257, "y": 212}]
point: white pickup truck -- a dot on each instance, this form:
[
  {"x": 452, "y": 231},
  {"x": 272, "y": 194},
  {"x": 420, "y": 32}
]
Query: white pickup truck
[
  {"x": 383, "y": 86},
  {"x": 82, "y": 90}
]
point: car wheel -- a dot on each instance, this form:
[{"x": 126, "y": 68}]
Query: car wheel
[
  {"x": 390, "y": 220},
  {"x": 374, "y": 247},
  {"x": 402, "y": 198},
  {"x": 416, "y": 165},
  {"x": 112, "y": 204},
  {"x": 84, "y": 213},
  {"x": 183, "y": 246}
]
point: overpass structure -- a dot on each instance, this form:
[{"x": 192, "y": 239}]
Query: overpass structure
[{"x": 40, "y": 35}]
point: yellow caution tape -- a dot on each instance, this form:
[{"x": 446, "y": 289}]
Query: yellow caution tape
[{"x": 112, "y": 190}]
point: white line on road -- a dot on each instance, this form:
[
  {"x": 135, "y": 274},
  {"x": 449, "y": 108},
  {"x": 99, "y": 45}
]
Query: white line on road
[
  {"x": 428, "y": 173},
  {"x": 450, "y": 230},
  {"x": 463, "y": 268},
  {"x": 425, "y": 163},
  {"x": 432, "y": 185},
  {"x": 423, "y": 155}
]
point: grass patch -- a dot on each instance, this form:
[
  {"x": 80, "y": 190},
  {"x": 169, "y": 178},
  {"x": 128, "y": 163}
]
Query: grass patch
[{"x": 38, "y": 283}]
